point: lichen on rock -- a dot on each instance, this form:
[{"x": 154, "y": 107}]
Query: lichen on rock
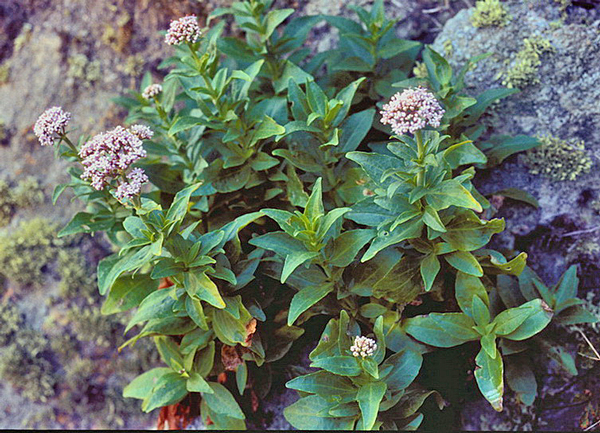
[{"x": 489, "y": 13}]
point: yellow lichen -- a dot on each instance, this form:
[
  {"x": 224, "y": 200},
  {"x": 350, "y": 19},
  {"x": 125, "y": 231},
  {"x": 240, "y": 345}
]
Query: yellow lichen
[
  {"x": 489, "y": 13},
  {"x": 524, "y": 71},
  {"x": 559, "y": 160}
]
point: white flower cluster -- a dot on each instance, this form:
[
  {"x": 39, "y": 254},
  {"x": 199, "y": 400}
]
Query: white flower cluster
[
  {"x": 363, "y": 346},
  {"x": 151, "y": 91},
  {"x": 184, "y": 29},
  {"x": 412, "y": 110},
  {"x": 51, "y": 124}
]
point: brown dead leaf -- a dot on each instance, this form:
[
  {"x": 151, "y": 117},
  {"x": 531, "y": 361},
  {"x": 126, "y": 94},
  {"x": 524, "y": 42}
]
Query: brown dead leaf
[
  {"x": 250, "y": 330},
  {"x": 230, "y": 357},
  {"x": 165, "y": 282},
  {"x": 173, "y": 417},
  {"x": 222, "y": 378}
]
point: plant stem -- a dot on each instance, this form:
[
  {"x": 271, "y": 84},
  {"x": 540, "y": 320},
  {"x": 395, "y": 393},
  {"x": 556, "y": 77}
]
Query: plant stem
[{"x": 420, "y": 158}]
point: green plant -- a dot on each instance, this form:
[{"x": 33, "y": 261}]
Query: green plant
[{"x": 226, "y": 274}]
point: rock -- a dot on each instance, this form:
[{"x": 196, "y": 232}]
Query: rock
[{"x": 562, "y": 104}]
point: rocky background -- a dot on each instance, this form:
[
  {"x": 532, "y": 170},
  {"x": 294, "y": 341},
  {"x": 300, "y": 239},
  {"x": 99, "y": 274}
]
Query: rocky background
[{"x": 58, "y": 361}]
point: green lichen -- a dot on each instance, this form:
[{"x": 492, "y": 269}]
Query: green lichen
[
  {"x": 489, "y": 13},
  {"x": 81, "y": 68},
  {"x": 26, "y": 251},
  {"x": 583, "y": 250},
  {"x": 563, "y": 4},
  {"x": 91, "y": 326},
  {"x": 557, "y": 159},
  {"x": 23, "y": 37},
  {"x": 448, "y": 48},
  {"x": 28, "y": 193},
  {"x": 76, "y": 278},
  {"x": 23, "y": 365},
  {"x": 10, "y": 323},
  {"x": 4, "y": 73},
  {"x": 7, "y": 204},
  {"x": 524, "y": 71},
  {"x": 134, "y": 65}
]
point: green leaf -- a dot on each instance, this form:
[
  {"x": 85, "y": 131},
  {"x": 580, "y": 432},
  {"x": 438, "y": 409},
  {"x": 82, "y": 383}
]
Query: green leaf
[
  {"x": 314, "y": 206},
  {"x": 142, "y": 386},
  {"x": 466, "y": 288},
  {"x": 294, "y": 260},
  {"x": 539, "y": 317},
  {"x": 274, "y": 18},
  {"x": 451, "y": 193},
  {"x": 185, "y": 123},
  {"x": 489, "y": 374},
  {"x": 111, "y": 267},
  {"x": 466, "y": 232},
  {"x": 442, "y": 329},
  {"x": 521, "y": 380},
  {"x": 432, "y": 219},
  {"x": 127, "y": 292},
  {"x": 268, "y": 128},
  {"x": 519, "y": 195},
  {"x": 196, "y": 383},
  {"x": 241, "y": 377},
  {"x": 498, "y": 148},
  {"x": 567, "y": 286},
  {"x": 488, "y": 343},
  {"x": 430, "y": 267},
  {"x": 409, "y": 230},
  {"x": 305, "y": 299},
  {"x": 348, "y": 244},
  {"x": 169, "y": 389},
  {"x": 481, "y": 313},
  {"x": 304, "y": 415},
  {"x": 354, "y": 129},
  {"x": 84, "y": 222},
  {"x": 464, "y": 262},
  {"x": 322, "y": 383},
  {"x": 340, "y": 365},
  {"x": 222, "y": 402},
  {"x": 279, "y": 242},
  {"x": 576, "y": 315},
  {"x": 179, "y": 207},
  {"x": 156, "y": 305},
  {"x": 406, "y": 365},
  {"x": 199, "y": 284},
  {"x": 369, "y": 398}
]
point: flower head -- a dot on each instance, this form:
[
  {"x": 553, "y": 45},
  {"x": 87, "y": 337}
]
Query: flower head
[
  {"x": 142, "y": 132},
  {"x": 51, "y": 124},
  {"x": 363, "y": 346},
  {"x": 151, "y": 91},
  {"x": 184, "y": 29},
  {"x": 109, "y": 154},
  {"x": 412, "y": 110},
  {"x": 133, "y": 186}
]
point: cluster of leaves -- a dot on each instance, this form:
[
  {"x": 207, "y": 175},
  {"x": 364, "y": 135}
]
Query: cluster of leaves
[{"x": 224, "y": 271}]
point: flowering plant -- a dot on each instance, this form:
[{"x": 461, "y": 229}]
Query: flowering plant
[{"x": 224, "y": 271}]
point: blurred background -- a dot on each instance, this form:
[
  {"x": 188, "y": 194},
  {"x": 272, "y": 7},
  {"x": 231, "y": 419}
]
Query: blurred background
[{"x": 58, "y": 360}]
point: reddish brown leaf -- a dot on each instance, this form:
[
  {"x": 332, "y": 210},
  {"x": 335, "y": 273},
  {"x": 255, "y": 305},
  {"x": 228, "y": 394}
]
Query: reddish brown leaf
[
  {"x": 165, "y": 282},
  {"x": 222, "y": 378},
  {"x": 250, "y": 330},
  {"x": 230, "y": 357}
]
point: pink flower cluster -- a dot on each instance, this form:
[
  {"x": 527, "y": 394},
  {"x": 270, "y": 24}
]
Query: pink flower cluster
[
  {"x": 51, "y": 124},
  {"x": 133, "y": 186},
  {"x": 108, "y": 155},
  {"x": 184, "y": 29},
  {"x": 151, "y": 91},
  {"x": 412, "y": 110}
]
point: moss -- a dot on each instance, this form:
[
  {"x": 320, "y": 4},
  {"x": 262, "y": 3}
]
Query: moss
[
  {"x": 90, "y": 325},
  {"x": 558, "y": 159},
  {"x": 448, "y": 48},
  {"x": 488, "y": 13},
  {"x": 26, "y": 251},
  {"x": 524, "y": 71},
  {"x": 420, "y": 70}
]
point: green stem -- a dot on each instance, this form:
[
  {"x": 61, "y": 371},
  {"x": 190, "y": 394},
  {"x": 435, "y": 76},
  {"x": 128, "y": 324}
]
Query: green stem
[
  {"x": 421, "y": 158},
  {"x": 69, "y": 143}
]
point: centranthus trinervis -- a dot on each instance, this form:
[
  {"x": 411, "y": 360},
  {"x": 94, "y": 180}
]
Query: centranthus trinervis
[
  {"x": 363, "y": 347},
  {"x": 108, "y": 156},
  {"x": 152, "y": 91},
  {"x": 184, "y": 29},
  {"x": 51, "y": 124},
  {"x": 412, "y": 110}
]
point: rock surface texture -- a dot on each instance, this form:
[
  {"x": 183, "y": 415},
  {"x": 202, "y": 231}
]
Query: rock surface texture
[{"x": 561, "y": 101}]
